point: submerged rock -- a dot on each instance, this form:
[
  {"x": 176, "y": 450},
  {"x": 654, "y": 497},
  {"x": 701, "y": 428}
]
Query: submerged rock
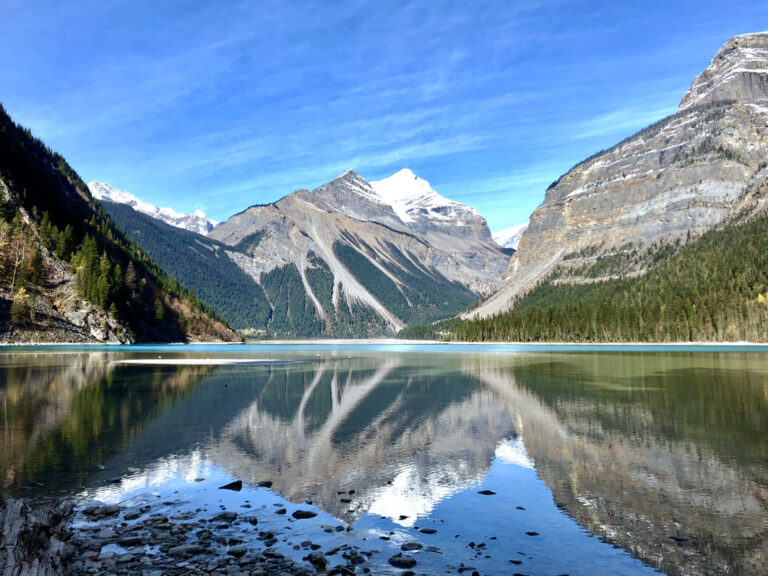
[
  {"x": 400, "y": 561},
  {"x": 317, "y": 559},
  {"x": 102, "y": 511},
  {"x": 186, "y": 549}
]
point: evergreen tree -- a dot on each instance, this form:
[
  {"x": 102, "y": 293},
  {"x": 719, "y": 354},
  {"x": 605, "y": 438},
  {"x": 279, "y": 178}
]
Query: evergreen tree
[
  {"x": 131, "y": 281},
  {"x": 158, "y": 309},
  {"x": 46, "y": 230},
  {"x": 36, "y": 270},
  {"x": 65, "y": 243}
]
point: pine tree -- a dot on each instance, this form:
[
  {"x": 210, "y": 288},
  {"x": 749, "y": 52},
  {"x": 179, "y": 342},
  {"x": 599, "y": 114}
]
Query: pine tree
[
  {"x": 35, "y": 270},
  {"x": 65, "y": 243},
  {"x": 131, "y": 281},
  {"x": 46, "y": 230}
]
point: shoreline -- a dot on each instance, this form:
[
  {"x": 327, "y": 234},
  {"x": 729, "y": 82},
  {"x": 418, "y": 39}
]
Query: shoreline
[{"x": 378, "y": 342}]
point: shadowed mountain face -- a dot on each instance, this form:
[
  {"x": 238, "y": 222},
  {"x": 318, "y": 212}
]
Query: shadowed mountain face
[
  {"x": 641, "y": 449},
  {"x": 83, "y": 280},
  {"x": 675, "y": 179}
]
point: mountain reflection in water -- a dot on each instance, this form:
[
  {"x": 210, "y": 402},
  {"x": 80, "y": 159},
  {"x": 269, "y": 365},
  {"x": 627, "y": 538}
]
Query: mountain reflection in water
[{"x": 663, "y": 454}]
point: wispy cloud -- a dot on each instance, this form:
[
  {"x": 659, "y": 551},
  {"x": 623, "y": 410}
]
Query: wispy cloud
[{"x": 225, "y": 105}]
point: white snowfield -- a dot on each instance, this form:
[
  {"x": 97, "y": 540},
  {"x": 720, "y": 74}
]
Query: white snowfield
[
  {"x": 414, "y": 200},
  {"x": 510, "y": 237},
  {"x": 194, "y": 222}
]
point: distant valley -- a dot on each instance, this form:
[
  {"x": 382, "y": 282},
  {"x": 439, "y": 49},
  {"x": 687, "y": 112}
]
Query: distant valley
[
  {"x": 657, "y": 238},
  {"x": 348, "y": 259}
]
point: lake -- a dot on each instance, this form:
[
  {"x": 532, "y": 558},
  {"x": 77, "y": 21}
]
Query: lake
[{"x": 487, "y": 459}]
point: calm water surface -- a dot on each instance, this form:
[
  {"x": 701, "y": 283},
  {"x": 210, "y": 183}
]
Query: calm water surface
[{"x": 603, "y": 461}]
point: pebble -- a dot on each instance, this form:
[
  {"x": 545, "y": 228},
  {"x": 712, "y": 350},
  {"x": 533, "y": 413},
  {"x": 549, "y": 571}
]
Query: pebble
[
  {"x": 102, "y": 511},
  {"x": 185, "y": 549},
  {"x": 237, "y": 551},
  {"x": 317, "y": 559}
]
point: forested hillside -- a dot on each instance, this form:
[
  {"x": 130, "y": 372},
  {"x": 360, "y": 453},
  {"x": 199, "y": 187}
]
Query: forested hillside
[
  {"x": 57, "y": 246},
  {"x": 199, "y": 263},
  {"x": 715, "y": 288}
]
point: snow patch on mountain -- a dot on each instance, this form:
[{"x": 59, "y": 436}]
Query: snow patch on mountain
[
  {"x": 196, "y": 222},
  {"x": 510, "y": 237},
  {"x": 414, "y": 200}
]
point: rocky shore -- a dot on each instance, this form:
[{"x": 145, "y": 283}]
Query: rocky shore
[{"x": 114, "y": 539}]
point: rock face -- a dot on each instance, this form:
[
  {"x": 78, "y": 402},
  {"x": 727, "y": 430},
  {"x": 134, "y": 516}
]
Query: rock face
[
  {"x": 195, "y": 222},
  {"x": 33, "y": 540},
  {"x": 393, "y": 250},
  {"x": 739, "y": 72},
  {"x": 680, "y": 176}
]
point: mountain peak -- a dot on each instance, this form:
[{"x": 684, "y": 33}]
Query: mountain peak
[
  {"x": 195, "y": 222},
  {"x": 350, "y": 174},
  {"x": 404, "y": 189},
  {"x": 739, "y": 71}
]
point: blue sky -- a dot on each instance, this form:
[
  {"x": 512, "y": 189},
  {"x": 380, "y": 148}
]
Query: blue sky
[{"x": 221, "y": 105}]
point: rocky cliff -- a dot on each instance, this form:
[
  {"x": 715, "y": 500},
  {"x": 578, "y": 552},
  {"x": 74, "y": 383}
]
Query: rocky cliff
[{"x": 673, "y": 180}]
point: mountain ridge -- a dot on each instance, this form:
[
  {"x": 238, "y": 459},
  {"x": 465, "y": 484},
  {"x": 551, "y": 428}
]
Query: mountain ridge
[
  {"x": 313, "y": 256},
  {"x": 195, "y": 222}
]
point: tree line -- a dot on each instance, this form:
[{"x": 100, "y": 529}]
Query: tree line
[{"x": 714, "y": 288}]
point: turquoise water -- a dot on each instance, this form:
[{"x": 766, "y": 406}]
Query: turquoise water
[
  {"x": 406, "y": 347},
  {"x": 602, "y": 459}
]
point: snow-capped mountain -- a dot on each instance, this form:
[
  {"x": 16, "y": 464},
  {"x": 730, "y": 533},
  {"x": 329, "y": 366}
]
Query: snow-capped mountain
[
  {"x": 368, "y": 259},
  {"x": 510, "y": 237},
  {"x": 195, "y": 222},
  {"x": 420, "y": 207}
]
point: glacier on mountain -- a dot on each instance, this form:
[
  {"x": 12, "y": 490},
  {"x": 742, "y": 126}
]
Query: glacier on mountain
[{"x": 510, "y": 237}]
